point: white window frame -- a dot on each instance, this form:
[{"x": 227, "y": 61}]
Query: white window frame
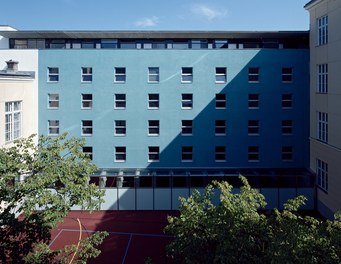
[
  {"x": 86, "y": 102},
  {"x": 53, "y": 125},
  {"x": 185, "y": 126},
  {"x": 322, "y": 30},
  {"x": 220, "y": 75},
  {"x": 220, "y": 127},
  {"x": 153, "y": 151},
  {"x": 153, "y": 128},
  {"x": 186, "y": 103},
  {"x": 287, "y": 125},
  {"x": 87, "y": 152},
  {"x": 119, "y": 75},
  {"x": 53, "y": 101},
  {"x": 13, "y": 120},
  {"x": 120, "y": 125},
  {"x": 152, "y": 101},
  {"x": 322, "y": 126},
  {"x": 287, "y": 101},
  {"x": 87, "y": 129},
  {"x": 253, "y": 75},
  {"x": 287, "y": 153},
  {"x": 51, "y": 75},
  {"x": 220, "y": 153},
  {"x": 287, "y": 74},
  {"x": 86, "y": 72},
  {"x": 186, "y": 151},
  {"x": 153, "y": 74},
  {"x": 253, "y": 154},
  {"x": 186, "y": 75},
  {"x": 253, "y": 127},
  {"x": 120, "y": 150},
  {"x": 119, "y": 101},
  {"x": 322, "y": 174},
  {"x": 322, "y": 78},
  {"x": 253, "y": 101}
]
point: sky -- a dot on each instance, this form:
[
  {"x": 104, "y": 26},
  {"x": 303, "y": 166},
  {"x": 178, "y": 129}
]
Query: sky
[{"x": 228, "y": 15}]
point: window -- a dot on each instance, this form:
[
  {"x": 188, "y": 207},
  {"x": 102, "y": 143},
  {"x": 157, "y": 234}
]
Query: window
[
  {"x": 253, "y": 127},
  {"x": 322, "y": 78},
  {"x": 220, "y": 75},
  {"x": 53, "y": 126},
  {"x": 220, "y": 153},
  {"x": 286, "y": 75},
  {"x": 253, "y": 153},
  {"x": 322, "y": 30},
  {"x": 53, "y": 74},
  {"x": 253, "y": 75},
  {"x": 13, "y": 121},
  {"x": 287, "y": 153},
  {"x": 187, "y": 101},
  {"x": 120, "y": 101},
  {"x": 220, "y": 127},
  {"x": 287, "y": 127},
  {"x": 322, "y": 126},
  {"x": 153, "y": 154},
  {"x": 86, "y": 74},
  {"x": 53, "y": 101},
  {"x": 187, "y": 153},
  {"x": 153, "y": 75},
  {"x": 220, "y": 101},
  {"x": 199, "y": 44},
  {"x": 88, "y": 152},
  {"x": 153, "y": 127},
  {"x": 120, "y": 154},
  {"x": 120, "y": 75},
  {"x": 86, "y": 127},
  {"x": 186, "y": 127},
  {"x": 187, "y": 75},
  {"x": 286, "y": 100},
  {"x": 253, "y": 101},
  {"x": 86, "y": 101},
  {"x": 120, "y": 128},
  {"x": 153, "y": 101},
  {"x": 322, "y": 174}
]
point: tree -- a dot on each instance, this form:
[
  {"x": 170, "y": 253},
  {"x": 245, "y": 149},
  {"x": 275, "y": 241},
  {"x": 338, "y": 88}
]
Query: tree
[
  {"x": 56, "y": 177},
  {"x": 239, "y": 230}
]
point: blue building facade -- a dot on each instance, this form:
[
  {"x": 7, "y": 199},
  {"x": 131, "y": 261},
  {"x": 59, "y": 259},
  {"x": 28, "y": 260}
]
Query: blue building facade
[{"x": 167, "y": 112}]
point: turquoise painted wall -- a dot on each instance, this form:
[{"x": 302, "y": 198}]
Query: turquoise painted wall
[{"x": 170, "y": 113}]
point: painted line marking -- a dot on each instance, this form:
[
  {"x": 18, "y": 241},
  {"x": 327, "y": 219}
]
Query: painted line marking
[
  {"x": 56, "y": 237},
  {"x": 120, "y": 233},
  {"x": 126, "y": 253}
]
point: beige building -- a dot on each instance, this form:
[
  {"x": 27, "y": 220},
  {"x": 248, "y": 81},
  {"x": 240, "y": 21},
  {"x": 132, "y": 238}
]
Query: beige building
[{"x": 325, "y": 102}]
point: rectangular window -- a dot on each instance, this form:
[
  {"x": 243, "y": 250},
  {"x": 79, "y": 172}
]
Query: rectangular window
[
  {"x": 53, "y": 74},
  {"x": 186, "y": 127},
  {"x": 53, "y": 101},
  {"x": 86, "y": 127},
  {"x": 13, "y": 122},
  {"x": 120, "y": 75},
  {"x": 287, "y": 153},
  {"x": 186, "y": 101},
  {"x": 120, "y": 154},
  {"x": 220, "y": 127},
  {"x": 253, "y": 153},
  {"x": 86, "y": 101},
  {"x": 120, "y": 101},
  {"x": 220, "y": 75},
  {"x": 287, "y": 127},
  {"x": 253, "y": 127},
  {"x": 322, "y": 174},
  {"x": 220, "y": 153},
  {"x": 53, "y": 126},
  {"x": 153, "y": 127},
  {"x": 86, "y": 74},
  {"x": 253, "y": 74},
  {"x": 322, "y": 126},
  {"x": 120, "y": 128},
  {"x": 153, "y": 101},
  {"x": 220, "y": 101},
  {"x": 153, "y": 154},
  {"x": 322, "y": 30},
  {"x": 253, "y": 101},
  {"x": 286, "y": 75},
  {"x": 187, "y": 75},
  {"x": 199, "y": 44},
  {"x": 286, "y": 100},
  {"x": 88, "y": 151},
  {"x": 187, "y": 153},
  {"x": 153, "y": 75},
  {"x": 322, "y": 78}
]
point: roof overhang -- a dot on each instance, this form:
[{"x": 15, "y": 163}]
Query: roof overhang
[{"x": 312, "y": 3}]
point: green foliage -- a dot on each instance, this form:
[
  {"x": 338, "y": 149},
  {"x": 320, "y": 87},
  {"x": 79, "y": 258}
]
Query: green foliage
[
  {"x": 237, "y": 230},
  {"x": 56, "y": 178}
]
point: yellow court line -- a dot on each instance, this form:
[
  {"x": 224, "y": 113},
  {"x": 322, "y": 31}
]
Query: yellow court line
[{"x": 79, "y": 240}]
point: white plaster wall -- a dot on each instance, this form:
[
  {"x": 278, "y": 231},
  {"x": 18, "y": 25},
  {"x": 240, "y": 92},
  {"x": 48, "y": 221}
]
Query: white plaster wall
[{"x": 4, "y": 41}]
